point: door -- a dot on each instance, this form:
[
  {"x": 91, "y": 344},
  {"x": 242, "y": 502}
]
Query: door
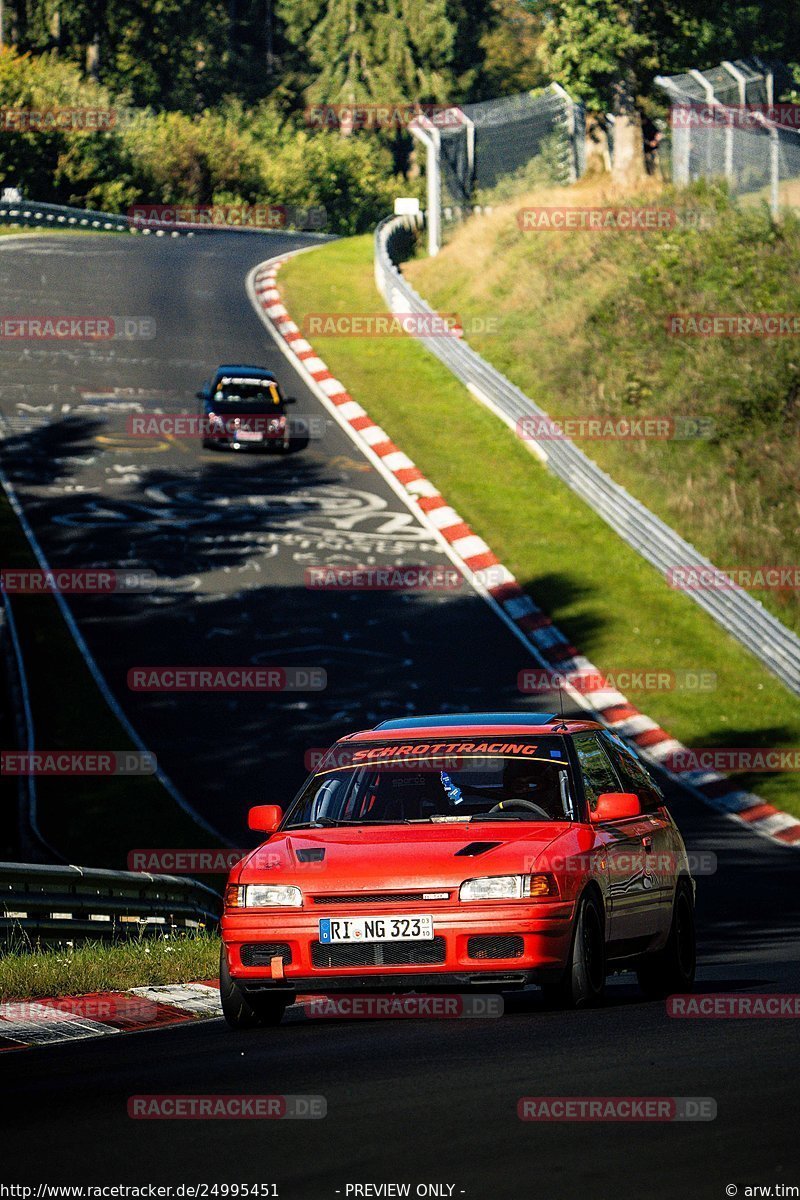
[
  {"x": 663, "y": 850},
  {"x": 635, "y": 903}
]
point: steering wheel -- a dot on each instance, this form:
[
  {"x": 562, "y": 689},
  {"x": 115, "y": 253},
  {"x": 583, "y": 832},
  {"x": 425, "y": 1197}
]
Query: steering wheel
[{"x": 515, "y": 803}]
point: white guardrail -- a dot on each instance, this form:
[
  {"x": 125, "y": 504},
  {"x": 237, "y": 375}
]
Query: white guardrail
[
  {"x": 40, "y": 903},
  {"x": 60, "y": 216},
  {"x": 777, "y": 647},
  {"x": 38, "y": 215}
]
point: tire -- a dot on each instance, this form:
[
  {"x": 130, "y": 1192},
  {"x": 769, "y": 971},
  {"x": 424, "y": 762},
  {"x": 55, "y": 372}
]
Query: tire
[
  {"x": 242, "y": 1011},
  {"x": 672, "y": 969},
  {"x": 583, "y": 982}
]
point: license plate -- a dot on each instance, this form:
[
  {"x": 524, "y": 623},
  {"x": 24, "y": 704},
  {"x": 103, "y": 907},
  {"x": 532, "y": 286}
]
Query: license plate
[
  {"x": 375, "y": 929},
  {"x": 248, "y": 435}
]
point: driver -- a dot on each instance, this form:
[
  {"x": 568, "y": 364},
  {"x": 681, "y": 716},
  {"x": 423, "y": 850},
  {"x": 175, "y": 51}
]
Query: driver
[{"x": 537, "y": 783}]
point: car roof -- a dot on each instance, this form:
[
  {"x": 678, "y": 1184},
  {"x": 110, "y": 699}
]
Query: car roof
[
  {"x": 441, "y": 724},
  {"x": 244, "y": 370}
]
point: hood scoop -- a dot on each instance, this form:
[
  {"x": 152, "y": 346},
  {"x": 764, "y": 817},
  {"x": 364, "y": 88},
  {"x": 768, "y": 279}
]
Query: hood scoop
[
  {"x": 311, "y": 855},
  {"x": 475, "y": 848}
]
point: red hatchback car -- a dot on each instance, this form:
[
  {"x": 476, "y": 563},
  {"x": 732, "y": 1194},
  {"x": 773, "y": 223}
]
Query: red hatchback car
[{"x": 482, "y": 850}]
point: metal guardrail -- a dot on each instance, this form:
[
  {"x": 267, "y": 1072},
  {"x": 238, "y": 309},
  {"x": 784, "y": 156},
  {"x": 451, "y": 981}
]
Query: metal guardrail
[
  {"x": 38, "y": 215},
  {"x": 777, "y": 647},
  {"x": 58, "y": 216},
  {"x": 67, "y": 903}
]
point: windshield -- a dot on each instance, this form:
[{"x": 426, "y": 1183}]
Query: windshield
[
  {"x": 439, "y": 787},
  {"x": 234, "y": 396}
]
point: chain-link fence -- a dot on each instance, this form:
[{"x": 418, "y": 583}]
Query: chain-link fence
[
  {"x": 483, "y": 153},
  {"x": 508, "y": 142},
  {"x": 725, "y": 123}
]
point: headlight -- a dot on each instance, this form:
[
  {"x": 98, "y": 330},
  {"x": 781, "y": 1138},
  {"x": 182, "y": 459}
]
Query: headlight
[
  {"x": 496, "y": 887},
  {"x": 509, "y": 887},
  {"x": 263, "y": 895}
]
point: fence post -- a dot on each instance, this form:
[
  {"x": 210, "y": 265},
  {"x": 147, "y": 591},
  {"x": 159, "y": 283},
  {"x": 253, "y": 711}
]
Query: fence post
[
  {"x": 713, "y": 103},
  {"x": 426, "y": 132},
  {"x": 571, "y": 130},
  {"x": 741, "y": 83},
  {"x": 434, "y": 195},
  {"x": 681, "y": 147},
  {"x": 774, "y": 171},
  {"x": 680, "y": 131}
]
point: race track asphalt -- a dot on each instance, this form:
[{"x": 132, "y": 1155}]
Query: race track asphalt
[
  {"x": 228, "y": 535},
  {"x": 417, "y": 1101}
]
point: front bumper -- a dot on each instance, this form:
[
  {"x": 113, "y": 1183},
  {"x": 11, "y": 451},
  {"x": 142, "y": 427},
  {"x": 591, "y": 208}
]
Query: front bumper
[
  {"x": 540, "y": 933},
  {"x": 272, "y": 441}
]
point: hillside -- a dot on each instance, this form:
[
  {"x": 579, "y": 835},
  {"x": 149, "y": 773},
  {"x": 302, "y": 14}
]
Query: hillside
[{"x": 580, "y": 323}]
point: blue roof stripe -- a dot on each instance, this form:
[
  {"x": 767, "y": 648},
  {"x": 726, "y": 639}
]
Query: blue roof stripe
[{"x": 470, "y": 719}]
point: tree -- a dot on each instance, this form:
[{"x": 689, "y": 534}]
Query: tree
[
  {"x": 607, "y": 52},
  {"x": 386, "y": 51},
  {"x": 164, "y": 53},
  {"x": 511, "y": 45}
]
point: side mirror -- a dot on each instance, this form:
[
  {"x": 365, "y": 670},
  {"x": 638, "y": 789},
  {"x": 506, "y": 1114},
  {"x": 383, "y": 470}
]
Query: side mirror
[
  {"x": 616, "y": 806},
  {"x": 290, "y": 400},
  {"x": 200, "y": 395},
  {"x": 265, "y": 818}
]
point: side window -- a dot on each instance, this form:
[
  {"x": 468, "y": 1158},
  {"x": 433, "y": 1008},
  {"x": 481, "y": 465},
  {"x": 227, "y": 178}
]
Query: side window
[
  {"x": 633, "y": 774},
  {"x": 597, "y": 771}
]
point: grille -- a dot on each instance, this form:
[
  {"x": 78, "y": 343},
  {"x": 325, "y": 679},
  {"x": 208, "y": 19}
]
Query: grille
[
  {"x": 382, "y": 898},
  {"x": 496, "y": 946},
  {"x": 379, "y": 954},
  {"x": 260, "y": 954}
]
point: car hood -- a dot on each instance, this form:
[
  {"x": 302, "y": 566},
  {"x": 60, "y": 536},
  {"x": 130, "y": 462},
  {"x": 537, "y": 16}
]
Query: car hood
[{"x": 398, "y": 857}]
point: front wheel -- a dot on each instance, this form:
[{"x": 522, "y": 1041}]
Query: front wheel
[
  {"x": 583, "y": 983},
  {"x": 672, "y": 969},
  {"x": 242, "y": 1011}
]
